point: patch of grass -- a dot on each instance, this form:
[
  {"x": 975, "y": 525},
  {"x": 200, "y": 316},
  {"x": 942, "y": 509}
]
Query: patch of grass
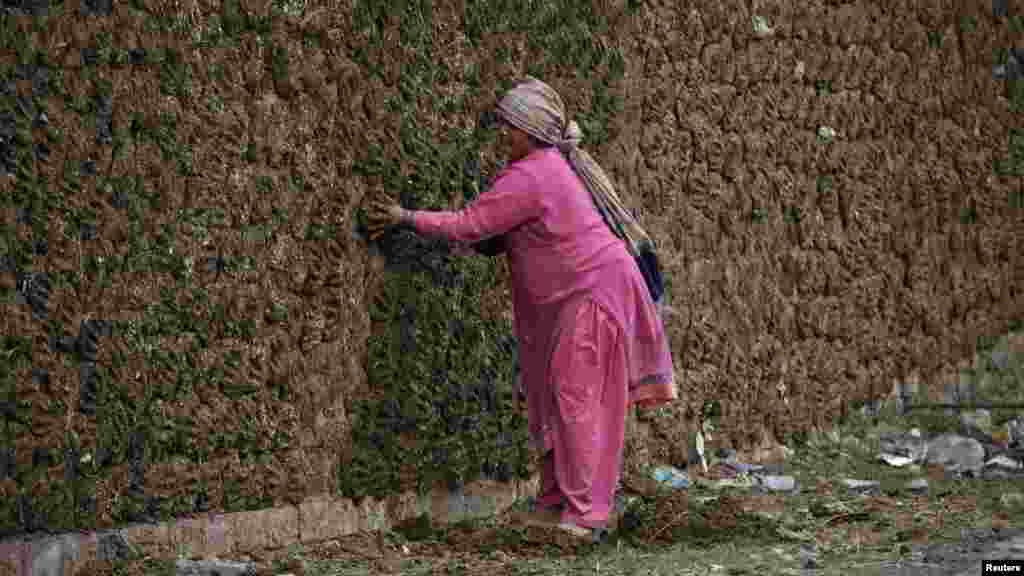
[
  {"x": 1016, "y": 24},
  {"x": 824, "y": 184},
  {"x": 822, "y": 87},
  {"x": 249, "y": 152},
  {"x": 969, "y": 215},
  {"x": 312, "y": 41},
  {"x": 217, "y": 71},
  {"x": 1013, "y": 164},
  {"x": 1015, "y": 92},
  {"x": 1000, "y": 55},
  {"x": 164, "y": 135},
  {"x": 935, "y": 39},
  {"x": 233, "y": 20},
  {"x": 291, "y": 8},
  {"x": 175, "y": 75},
  {"x": 968, "y": 24},
  {"x": 104, "y": 47},
  {"x": 279, "y": 63},
  {"x": 215, "y": 103},
  {"x": 264, "y": 184},
  {"x": 792, "y": 215},
  {"x": 210, "y": 35}
]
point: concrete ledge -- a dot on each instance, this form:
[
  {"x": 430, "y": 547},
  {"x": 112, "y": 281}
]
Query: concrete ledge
[{"x": 232, "y": 535}]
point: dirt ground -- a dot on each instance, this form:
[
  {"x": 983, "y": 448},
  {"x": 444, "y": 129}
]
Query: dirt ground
[{"x": 822, "y": 527}]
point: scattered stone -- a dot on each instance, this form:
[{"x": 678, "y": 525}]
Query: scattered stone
[
  {"x": 918, "y": 485},
  {"x": 8, "y": 265},
  {"x": 88, "y": 168},
  {"x": 1015, "y": 432},
  {"x": 956, "y": 453},
  {"x": 87, "y": 231},
  {"x": 1000, "y": 8},
  {"x": 42, "y": 151},
  {"x": 137, "y": 56},
  {"x": 88, "y": 388},
  {"x": 49, "y": 556},
  {"x": 214, "y": 567},
  {"x": 41, "y": 82},
  {"x": 1012, "y": 501},
  {"x": 8, "y": 465},
  {"x": 34, "y": 289},
  {"x": 671, "y": 477},
  {"x": 96, "y": 7},
  {"x": 963, "y": 390},
  {"x": 119, "y": 199},
  {"x": 114, "y": 546},
  {"x": 872, "y": 409},
  {"x": 104, "y": 120},
  {"x": 1000, "y": 359},
  {"x": 1011, "y": 70},
  {"x": 978, "y": 420},
  {"x": 23, "y": 215},
  {"x": 89, "y": 56},
  {"x": 809, "y": 557},
  {"x": 910, "y": 445}
]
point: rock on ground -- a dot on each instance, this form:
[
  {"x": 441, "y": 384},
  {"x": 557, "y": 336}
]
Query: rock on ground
[
  {"x": 213, "y": 568},
  {"x": 956, "y": 453}
]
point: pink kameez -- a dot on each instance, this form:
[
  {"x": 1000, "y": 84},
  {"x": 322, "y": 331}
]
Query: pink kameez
[{"x": 589, "y": 336}]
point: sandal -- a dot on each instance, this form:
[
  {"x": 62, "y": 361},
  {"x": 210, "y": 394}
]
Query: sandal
[
  {"x": 581, "y": 534},
  {"x": 537, "y": 515}
]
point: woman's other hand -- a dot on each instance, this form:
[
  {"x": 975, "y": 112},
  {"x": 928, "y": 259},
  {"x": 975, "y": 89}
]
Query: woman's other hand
[{"x": 383, "y": 215}]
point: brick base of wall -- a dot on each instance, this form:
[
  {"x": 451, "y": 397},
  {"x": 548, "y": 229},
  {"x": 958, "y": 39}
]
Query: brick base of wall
[{"x": 236, "y": 534}]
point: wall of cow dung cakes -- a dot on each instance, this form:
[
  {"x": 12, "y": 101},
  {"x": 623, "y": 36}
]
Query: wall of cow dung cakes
[{"x": 194, "y": 321}]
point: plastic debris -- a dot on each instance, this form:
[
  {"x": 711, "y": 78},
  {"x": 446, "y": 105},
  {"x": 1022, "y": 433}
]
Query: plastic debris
[
  {"x": 1012, "y": 501},
  {"x": 1005, "y": 462},
  {"x": 894, "y": 460},
  {"x": 776, "y": 483},
  {"x": 918, "y": 485},
  {"x": 742, "y": 467},
  {"x": 671, "y": 477},
  {"x": 700, "y": 451},
  {"x": 742, "y": 482},
  {"x": 861, "y": 484}
]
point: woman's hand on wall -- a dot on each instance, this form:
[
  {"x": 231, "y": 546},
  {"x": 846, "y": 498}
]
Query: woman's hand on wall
[{"x": 384, "y": 215}]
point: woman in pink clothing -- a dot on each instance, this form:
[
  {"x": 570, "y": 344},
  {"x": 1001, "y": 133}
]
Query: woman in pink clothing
[{"x": 590, "y": 339}]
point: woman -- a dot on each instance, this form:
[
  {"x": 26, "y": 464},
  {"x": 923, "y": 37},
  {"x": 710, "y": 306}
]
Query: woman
[{"x": 590, "y": 338}]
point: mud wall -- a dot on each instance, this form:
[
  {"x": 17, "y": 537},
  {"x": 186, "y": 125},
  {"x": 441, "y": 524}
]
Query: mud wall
[{"x": 192, "y": 320}]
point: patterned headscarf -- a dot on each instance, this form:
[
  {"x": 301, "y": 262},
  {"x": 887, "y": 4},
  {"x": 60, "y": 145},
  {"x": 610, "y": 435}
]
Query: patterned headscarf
[{"x": 535, "y": 108}]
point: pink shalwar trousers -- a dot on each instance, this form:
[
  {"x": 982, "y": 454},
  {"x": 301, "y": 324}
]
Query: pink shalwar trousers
[{"x": 588, "y": 378}]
